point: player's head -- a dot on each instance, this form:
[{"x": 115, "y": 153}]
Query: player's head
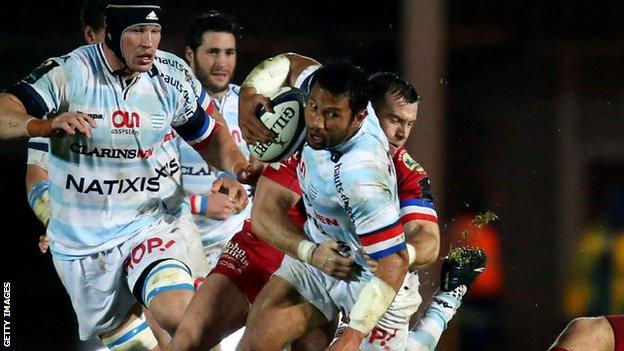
[
  {"x": 395, "y": 102},
  {"x": 336, "y": 104},
  {"x": 133, "y": 32},
  {"x": 211, "y": 45},
  {"x": 93, "y": 19}
]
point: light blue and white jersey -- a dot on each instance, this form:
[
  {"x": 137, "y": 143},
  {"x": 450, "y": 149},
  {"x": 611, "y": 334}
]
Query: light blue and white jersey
[
  {"x": 105, "y": 188},
  {"x": 350, "y": 191},
  {"x": 197, "y": 176}
]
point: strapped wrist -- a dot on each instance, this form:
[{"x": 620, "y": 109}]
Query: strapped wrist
[
  {"x": 411, "y": 254},
  {"x": 305, "y": 250}
]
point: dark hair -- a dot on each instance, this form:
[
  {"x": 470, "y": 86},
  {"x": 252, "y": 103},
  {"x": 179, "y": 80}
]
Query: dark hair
[
  {"x": 93, "y": 14},
  {"x": 388, "y": 82},
  {"x": 344, "y": 78},
  {"x": 213, "y": 21}
]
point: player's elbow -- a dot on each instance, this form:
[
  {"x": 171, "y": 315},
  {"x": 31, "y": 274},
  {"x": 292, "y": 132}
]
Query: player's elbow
[{"x": 429, "y": 252}]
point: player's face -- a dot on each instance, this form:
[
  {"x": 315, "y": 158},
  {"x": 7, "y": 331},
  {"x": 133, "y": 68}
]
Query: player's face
[
  {"x": 329, "y": 119},
  {"x": 214, "y": 61},
  {"x": 397, "y": 118},
  {"x": 139, "y": 44}
]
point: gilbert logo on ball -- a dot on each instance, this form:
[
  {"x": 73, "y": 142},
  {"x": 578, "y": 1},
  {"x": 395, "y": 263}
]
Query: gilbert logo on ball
[{"x": 287, "y": 123}]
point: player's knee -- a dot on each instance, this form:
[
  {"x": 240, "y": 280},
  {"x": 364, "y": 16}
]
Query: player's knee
[
  {"x": 257, "y": 341},
  {"x": 191, "y": 336},
  {"x": 135, "y": 336},
  {"x": 166, "y": 290},
  {"x": 164, "y": 277}
]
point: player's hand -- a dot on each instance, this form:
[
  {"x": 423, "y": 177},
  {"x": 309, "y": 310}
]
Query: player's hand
[
  {"x": 248, "y": 172},
  {"x": 350, "y": 340},
  {"x": 69, "y": 123},
  {"x": 44, "y": 243},
  {"x": 372, "y": 264},
  {"x": 328, "y": 259},
  {"x": 220, "y": 206},
  {"x": 233, "y": 190},
  {"x": 252, "y": 128}
]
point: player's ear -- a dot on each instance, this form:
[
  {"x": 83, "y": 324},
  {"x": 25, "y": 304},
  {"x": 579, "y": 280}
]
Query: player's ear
[
  {"x": 189, "y": 54},
  {"x": 89, "y": 34},
  {"x": 359, "y": 117}
]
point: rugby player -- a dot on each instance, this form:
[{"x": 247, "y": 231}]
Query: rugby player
[{"x": 112, "y": 242}]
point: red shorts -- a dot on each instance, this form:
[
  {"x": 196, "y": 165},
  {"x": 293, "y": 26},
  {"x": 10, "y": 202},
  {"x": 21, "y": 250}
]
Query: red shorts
[
  {"x": 248, "y": 262},
  {"x": 617, "y": 324}
]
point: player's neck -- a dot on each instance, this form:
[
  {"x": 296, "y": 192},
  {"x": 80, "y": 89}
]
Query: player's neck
[
  {"x": 117, "y": 66},
  {"x": 216, "y": 95}
]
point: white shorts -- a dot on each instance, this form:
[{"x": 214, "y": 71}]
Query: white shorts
[
  {"x": 331, "y": 295},
  {"x": 100, "y": 285},
  {"x": 196, "y": 259}
]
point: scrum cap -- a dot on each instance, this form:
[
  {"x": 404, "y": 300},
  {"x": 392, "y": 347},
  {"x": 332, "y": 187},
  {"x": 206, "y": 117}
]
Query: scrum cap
[{"x": 121, "y": 15}]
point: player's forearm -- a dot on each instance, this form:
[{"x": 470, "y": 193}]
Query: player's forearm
[
  {"x": 392, "y": 269},
  {"x": 273, "y": 225},
  {"x": 221, "y": 152},
  {"x": 424, "y": 236},
  {"x": 377, "y": 295},
  {"x": 13, "y": 117},
  {"x": 298, "y": 64}
]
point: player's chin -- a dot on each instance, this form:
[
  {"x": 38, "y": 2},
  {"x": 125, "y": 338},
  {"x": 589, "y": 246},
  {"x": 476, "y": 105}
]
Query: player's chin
[
  {"x": 142, "y": 66},
  {"x": 316, "y": 142}
]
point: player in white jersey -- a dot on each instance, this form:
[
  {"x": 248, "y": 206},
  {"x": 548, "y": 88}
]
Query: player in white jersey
[
  {"x": 349, "y": 190},
  {"x": 109, "y": 232},
  {"x": 211, "y": 51},
  {"x": 396, "y": 103}
]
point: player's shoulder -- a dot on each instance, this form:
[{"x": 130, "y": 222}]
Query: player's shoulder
[
  {"x": 79, "y": 58},
  {"x": 234, "y": 90},
  {"x": 406, "y": 166},
  {"x": 167, "y": 62}
]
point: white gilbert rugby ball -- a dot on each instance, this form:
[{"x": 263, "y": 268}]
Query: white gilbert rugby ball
[{"x": 287, "y": 123}]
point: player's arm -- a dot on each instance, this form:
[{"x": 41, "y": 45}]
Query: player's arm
[
  {"x": 269, "y": 216},
  {"x": 423, "y": 237},
  {"x": 264, "y": 80},
  {"x": 418, "y": 212},
  {"x": 373, "y": 209},
  {"x": 24, "y": 105},
  {"x": 270, "y": 220}
]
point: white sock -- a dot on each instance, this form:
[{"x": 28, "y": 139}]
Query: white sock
[{"x": 427, "y": 332}]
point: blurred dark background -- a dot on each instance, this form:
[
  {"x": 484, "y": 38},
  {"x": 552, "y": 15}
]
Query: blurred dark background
[{"x": 521, "y": 116}]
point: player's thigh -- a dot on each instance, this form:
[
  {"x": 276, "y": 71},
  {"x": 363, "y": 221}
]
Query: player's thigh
[
  {"x": 280, "y": 315},
  {"x": 217, "y": 310},
  {"x": 317, "y": 339}
]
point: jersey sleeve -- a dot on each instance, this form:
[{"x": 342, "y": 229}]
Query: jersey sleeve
[
  {"x": 304, "y": 79},
  {"x": 284, "y": 173},
  {"x": 45, "y": 90},
  {"x": 368, "y": 195},
  {"x": 415, "y": 194},
  {"x": 38, "y": 154}
]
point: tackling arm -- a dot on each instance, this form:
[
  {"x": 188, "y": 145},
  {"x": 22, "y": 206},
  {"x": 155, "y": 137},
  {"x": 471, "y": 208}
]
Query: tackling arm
[
  {"x": 424, "y": 237},
  {"x": 269, "y": 217}
]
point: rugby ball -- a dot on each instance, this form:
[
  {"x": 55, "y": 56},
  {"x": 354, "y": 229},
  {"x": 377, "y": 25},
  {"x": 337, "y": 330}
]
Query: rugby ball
[{"x": 287, "y": 123}]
